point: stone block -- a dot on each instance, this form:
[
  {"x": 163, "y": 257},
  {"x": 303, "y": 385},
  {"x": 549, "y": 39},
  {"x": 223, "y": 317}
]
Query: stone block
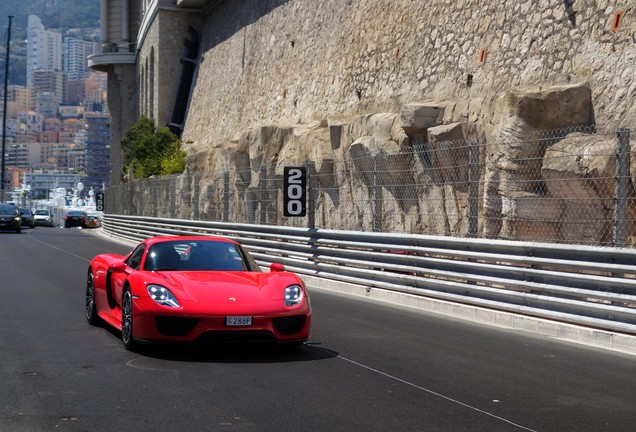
[{"x": 417, "y": 117}]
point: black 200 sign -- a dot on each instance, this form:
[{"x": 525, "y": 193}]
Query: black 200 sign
[{"x": 295, "y": 189}]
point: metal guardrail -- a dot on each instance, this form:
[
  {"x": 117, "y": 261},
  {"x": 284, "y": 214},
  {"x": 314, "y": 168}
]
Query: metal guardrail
[{"x": 582, "y": 285}]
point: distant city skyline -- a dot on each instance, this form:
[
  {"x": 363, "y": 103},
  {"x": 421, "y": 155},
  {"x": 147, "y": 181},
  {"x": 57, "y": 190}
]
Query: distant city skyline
[{"x": 58, "y": 122}]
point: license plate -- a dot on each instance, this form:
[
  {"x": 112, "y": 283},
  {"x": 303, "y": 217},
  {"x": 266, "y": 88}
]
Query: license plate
[{"x": 238, "y": 321}]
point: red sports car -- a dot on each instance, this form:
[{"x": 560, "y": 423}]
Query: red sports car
[{"x": 195, "y": 289}]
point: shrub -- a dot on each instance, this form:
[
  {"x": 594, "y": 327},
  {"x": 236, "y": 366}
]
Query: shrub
[{"x": 150, "y": 151}]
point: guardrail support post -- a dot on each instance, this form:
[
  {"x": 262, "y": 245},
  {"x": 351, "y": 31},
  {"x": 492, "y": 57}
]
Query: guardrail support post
[
  {"x": 621, "y": 188},
  {"x": 312, "y": 194},
  {"x": 473, "y": 189}
]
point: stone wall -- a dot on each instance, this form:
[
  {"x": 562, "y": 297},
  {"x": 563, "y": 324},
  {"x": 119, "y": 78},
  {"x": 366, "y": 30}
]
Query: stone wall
[
  {"x": 160, "y": 63},
  {"x": 354, "y": 85},
  {"x": 270, "y": 62}
]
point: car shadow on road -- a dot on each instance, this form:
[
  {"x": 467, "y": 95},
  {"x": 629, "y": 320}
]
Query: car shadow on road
[
  {"x": 237, "y": 353},
  {"x": 244, "y": 352}
]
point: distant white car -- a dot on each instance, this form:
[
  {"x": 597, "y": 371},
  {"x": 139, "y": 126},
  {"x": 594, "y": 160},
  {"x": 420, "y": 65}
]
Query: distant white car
[{"x": 43, "y": 217}]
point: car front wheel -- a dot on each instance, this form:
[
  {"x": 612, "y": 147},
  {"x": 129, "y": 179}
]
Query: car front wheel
[
  {"x": 91, "y": 308},
  {"x": 127, "y": 319}
]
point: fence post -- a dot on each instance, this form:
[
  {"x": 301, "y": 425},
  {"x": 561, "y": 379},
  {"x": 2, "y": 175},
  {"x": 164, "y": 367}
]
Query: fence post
[
  {"x": 621, "y": 188},
  {"x": 377, "y": 199},
  {"x": 262, "y": 194},
  {"x": 194, "y": 178},
  {"x": 312, "y": 194},
  {"x": 473, "y": 189},
  {"x": 226, "y": 196}
]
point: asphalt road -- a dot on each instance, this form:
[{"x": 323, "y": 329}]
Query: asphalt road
[{"x": 367, "y": 367}]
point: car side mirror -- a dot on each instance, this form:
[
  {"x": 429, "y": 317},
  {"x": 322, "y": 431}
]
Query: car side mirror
[
  {"x": 117, "y": 266},
  {"x": 276, "y": 267}
]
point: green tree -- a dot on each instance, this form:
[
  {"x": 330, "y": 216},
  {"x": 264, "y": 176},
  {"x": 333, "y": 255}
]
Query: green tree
[{"x": 150, "y": 151}]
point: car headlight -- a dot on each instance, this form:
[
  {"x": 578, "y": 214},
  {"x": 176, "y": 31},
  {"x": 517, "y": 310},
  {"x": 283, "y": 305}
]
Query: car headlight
[
  {"x": 162, "y": 295},
  {"x": 293, "y": 295}
]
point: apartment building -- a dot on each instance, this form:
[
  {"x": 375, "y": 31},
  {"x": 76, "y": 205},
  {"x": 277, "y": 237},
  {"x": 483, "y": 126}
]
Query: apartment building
[
  {"x": 74, "y": 57},
  {"x": 44, "y": 48}
]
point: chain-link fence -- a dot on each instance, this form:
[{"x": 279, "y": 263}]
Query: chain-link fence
[{"x": 560, "y": 186}]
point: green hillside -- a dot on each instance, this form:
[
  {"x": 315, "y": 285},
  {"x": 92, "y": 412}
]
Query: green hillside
[{"x": 55, "y": 14}]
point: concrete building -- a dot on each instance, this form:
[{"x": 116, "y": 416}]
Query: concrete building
[
  {"x": 69, "y": 129},
  {"x": 66, "y": 111},
  {"x": 44, "y": 48},
  {"x": 67, "y": 157},
  {"x": 41, "y": 182},
  {"x": 23, "y": 155},
  {"x": 97, "y": 150},
  {"x": 31, "y": 120},
  {"x": 88, "y": 91},
  {"x": 48, "y": 90},
  {"x": 74, "y": 57},
  {"x": 21, "y": 96},
  {"x": 46, "y": 104}
]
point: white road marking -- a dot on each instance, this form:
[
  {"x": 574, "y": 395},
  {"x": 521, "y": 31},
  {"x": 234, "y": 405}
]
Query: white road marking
[{"x": 432, "y": 392}]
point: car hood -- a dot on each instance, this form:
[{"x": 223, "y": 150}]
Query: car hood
[{"x": 232, "y": 289}]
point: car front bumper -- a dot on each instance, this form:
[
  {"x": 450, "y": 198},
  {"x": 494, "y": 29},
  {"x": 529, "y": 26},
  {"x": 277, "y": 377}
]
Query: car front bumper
[{"x": 154, "y": 323}]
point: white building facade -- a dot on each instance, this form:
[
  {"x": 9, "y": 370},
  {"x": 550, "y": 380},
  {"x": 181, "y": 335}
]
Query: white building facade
[
  {"x": 44, "y": 48},
  {"x": 75, "y": 53}
]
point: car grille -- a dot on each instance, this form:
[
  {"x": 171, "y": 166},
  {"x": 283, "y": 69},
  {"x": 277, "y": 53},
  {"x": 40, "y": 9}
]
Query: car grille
[
  {"x": 289, "y": 325},
  {"x": 175, "y": 326}
]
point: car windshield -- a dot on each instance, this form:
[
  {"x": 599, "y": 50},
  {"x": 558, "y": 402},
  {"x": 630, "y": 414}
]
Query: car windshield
[
  {"x": 199, "y": 255},
  {"x": 42, "y": 212},
  {"x": 25, "y": 211},
  {"x": 7, "y": 208},
  {"x": 76, "y": 213}
]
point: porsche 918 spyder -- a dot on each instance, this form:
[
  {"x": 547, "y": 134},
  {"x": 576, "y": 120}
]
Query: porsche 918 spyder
[{"x": 195, "y": 289}]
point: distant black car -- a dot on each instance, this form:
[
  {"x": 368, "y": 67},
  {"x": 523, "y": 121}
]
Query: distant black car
[
  {"x": 10, "y": 218},
  {"x": 27, "y": 217},
  {"x": 75, "y": 218}
]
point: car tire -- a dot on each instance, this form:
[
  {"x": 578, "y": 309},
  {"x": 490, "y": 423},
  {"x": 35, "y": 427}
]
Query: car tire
[
  {"x": 91, "y": 307},
  {"x": 127, "y": 320},
  {"x": 18, "y": 230}
]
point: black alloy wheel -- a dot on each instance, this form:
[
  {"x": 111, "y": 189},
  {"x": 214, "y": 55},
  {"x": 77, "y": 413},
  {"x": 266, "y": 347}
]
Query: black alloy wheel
[
  {"x": 91, "y": 308},
  {"x": 127, "y": 319}
]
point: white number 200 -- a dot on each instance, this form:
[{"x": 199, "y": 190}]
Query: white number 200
[{"x": 295, "y": 192}]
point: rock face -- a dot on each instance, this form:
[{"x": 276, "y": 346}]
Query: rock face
[
  {"x": 416, "y": 171},
  {"x": 579, "y": 173},
  {"x": 391, "y": 106},
  {"x": 514, "y": 186},
  {"x": 548, "y": 176}
]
